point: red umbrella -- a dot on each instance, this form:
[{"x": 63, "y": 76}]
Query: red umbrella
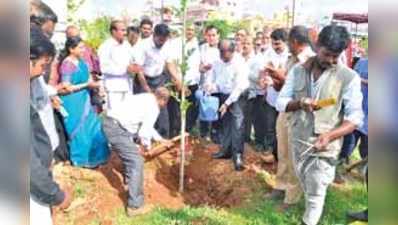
[{"x": 352, "y": 17}]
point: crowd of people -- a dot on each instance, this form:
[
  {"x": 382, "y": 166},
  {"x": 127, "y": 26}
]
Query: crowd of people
[{"x": 282, "y": 90}]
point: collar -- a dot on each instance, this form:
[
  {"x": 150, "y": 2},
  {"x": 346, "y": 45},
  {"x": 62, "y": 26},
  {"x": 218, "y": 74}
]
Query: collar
[
  {"x": 250, "y": 56},
  {"x": 305, "y": 54},
  {"x": 310, "y": 64},
  {"x": 114, "y": 42}
]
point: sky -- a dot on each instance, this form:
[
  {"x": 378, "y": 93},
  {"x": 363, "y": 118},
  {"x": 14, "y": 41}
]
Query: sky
[{"x": 313, "y": 8}]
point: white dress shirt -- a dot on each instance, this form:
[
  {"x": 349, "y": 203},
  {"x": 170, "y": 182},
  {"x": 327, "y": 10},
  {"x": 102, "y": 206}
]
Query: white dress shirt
[
  {"x": 138, "y": 114},
  {"x": 192, "y": 75},
  {"x": 278, "y": 60},
  {"x": 255, "y": 64},
  {"x": 208, "y": 55},
  {"x": 153, "y": 59},
  {"x": 47, "y": 118},
  {"x": 352, "y": 96},
  {"x": 229, "y": 78},
  {"x": 114, "y": 59},
  {"x": 135, "y": 51}
]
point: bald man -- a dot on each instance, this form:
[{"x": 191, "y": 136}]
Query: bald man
[
  {"x": 228, "y": 81},
  {"x": 72, "y": 31}
]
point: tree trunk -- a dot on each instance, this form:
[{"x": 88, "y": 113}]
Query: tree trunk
[{"x": 183, "y": 107}]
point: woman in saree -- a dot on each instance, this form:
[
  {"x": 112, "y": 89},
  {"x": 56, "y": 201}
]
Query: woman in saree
[{"x": 87, "y": 143}]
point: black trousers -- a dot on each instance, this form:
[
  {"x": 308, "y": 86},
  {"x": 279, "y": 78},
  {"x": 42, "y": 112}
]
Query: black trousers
[
  {"x": 259, "y": 117},
  {"x": 61, "y": 154},
  {"x": 174, "y": 113},
  {"x": 270, "y": 128},
  {"x": 231, "y": 128},
  {"x": 213, "y": 129},
  {"x": 162, "y": 124},
  {"x": 247, "y": 106},
  {"x": 193, "y": 110}
]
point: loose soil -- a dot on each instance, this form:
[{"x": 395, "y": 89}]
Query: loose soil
[{"x": 99, "y": 192}]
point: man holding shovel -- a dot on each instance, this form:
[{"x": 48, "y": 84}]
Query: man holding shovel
[{"x": 127, "y": 124}]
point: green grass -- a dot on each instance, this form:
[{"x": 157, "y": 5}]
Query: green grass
[
  {"x": 80, "y": 190},
  {"x": 256, "y": 212}
]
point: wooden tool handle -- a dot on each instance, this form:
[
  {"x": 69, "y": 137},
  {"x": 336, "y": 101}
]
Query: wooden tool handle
[
  {"x": 160, "y": 149},
  {"x": 326, "y": 102}
]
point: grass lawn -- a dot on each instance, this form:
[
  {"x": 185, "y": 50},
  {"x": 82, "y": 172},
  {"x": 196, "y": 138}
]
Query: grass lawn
[
  {"x": 256, "y": 212},
  {"x": 100, "y": 195}
]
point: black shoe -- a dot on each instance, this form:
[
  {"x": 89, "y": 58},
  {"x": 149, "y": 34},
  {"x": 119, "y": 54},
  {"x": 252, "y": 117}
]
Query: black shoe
[
  {"x": 238, "y": 162},
  {"x": 259, "y": 147},
  {"x": 221, "y": 155},
  {"x": 358, "y": 216}
]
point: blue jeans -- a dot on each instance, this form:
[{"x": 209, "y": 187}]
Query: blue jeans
[{"x": 351, "y": 141}]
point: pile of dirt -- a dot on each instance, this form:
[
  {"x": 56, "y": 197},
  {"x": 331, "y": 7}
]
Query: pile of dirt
[{"x": 207, "y": 182}]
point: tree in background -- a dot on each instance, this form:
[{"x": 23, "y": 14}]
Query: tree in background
[
  {"x": 223, "y": 26},
  {"x": 73, "y": 6},
  {"x": 96, "y": 31}
]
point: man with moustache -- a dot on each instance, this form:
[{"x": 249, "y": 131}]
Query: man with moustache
[{"x": 317, "y": 132}]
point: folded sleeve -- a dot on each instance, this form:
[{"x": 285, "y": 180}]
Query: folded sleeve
[
  {"x": 286, "y": 93},
  {"x": 352, "y": 100}
]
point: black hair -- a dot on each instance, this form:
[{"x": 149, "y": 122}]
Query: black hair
[
  {"x": 279, "y": 34},
  {"x": 210, "y": 27},
  {"x": 40, "y": 46},
  {"x": 71, "y": 42},
  {"x": 146, "y": 21},
  {"x": 133, "y": 29},
  {"x": 334, "y": 38},
  {"x": 44, "y": 14},
  {"x": 300, "y": 34},
  {"x": 162, "y": 30},
  {"x": 231, "y": 44}
]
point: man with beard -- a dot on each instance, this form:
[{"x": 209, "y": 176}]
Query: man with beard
[
  {"x": 287, "y": 186},
  {"x": 317, "y": 129}
]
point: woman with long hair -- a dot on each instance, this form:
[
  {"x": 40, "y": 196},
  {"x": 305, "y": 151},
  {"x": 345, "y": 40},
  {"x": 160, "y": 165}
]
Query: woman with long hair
[{"x": 87, "y": 143}]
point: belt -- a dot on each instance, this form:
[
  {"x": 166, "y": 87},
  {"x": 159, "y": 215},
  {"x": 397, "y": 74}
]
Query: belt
[
  {"x": 153, "y": 77},
  {"x": 134, "y": 136},
  {"x": 113, "y": 76}
]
